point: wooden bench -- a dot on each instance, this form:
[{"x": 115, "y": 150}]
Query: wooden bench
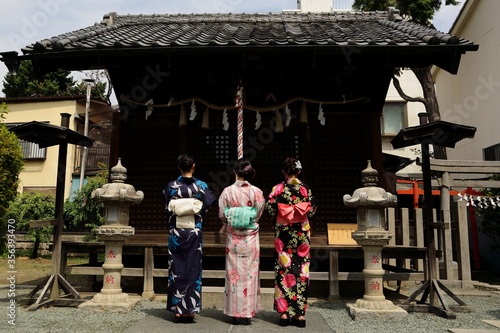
[{"x": 148, "y": 245}]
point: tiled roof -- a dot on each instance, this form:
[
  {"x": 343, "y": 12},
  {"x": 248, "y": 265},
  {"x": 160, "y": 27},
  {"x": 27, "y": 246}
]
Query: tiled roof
[{"x": 248, "y": 30}]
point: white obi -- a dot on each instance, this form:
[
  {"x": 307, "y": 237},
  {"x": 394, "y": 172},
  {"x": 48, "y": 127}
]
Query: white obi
[{"x": 185, "y": 210}]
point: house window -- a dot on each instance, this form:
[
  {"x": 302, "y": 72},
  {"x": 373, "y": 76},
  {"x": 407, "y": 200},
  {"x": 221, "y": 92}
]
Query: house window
[
  {"x": 32, "y": 151},
  {"x": 492, "y": 153},
  {"x": 392, "y": 120}
]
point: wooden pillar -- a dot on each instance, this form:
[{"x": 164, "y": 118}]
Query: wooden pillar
[
  {"x": 334, "y": 276},
  {"x": 59, "y": 209},
  {"x": 391, "y": 227},
  {"x": 391, "y": 224},
  {"x": 446, "y": 232},
  {"x": 432, "y": 269},
  {"x": 464, "y": 268},
  {"x": 148, "y": 287},
  {"x": 405, "y": 232},
  {"x": 419, "y": 235}
]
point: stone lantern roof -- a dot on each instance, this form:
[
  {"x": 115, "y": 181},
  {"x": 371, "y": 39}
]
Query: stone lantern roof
[
  {"x": 117, "y": 190},
  {"x": 370, "y": 195}
]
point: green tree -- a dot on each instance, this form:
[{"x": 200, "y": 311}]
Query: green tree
[
  {"x": 58, "y": 83},
  {"x": 418, "y": 11},
  {"x": 11, "y": 164},
  {"x": 31, "y": 206},
  {"x": 490, "y": 216},
  {"x": 83, "y": 213},
  {"x": 421, "y": 12},
  {"x": 26, "y": 84}
]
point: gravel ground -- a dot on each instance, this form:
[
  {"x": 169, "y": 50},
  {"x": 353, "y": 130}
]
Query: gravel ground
[{"x": 73, "y": 320}]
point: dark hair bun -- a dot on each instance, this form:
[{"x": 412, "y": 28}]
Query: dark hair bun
[
  {"x": 185, "y": 162},
  {"x": 292, "y": 166},
  {"x": 244, "y": 169}
]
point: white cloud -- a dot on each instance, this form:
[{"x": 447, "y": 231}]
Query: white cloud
[
  {"x": 27, "y": 21},
  {"x": 444, "y": 18}
]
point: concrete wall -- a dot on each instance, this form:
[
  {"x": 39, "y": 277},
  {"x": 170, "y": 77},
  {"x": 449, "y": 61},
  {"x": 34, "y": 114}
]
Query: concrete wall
[
  {"x": 43, "y": 173},
  {"x": 315, "y": 6},
  {"x": 472, "y": 97}
]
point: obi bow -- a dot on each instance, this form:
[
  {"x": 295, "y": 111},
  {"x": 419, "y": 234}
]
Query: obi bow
[{"x": 297, "y": 213}]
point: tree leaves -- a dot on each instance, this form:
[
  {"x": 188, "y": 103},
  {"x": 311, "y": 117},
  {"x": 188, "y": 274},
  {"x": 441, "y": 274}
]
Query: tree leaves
[
  {"x": 11, "y": 164},
  {"x": 418, "y": 11},
  {"x": 58, "y": 83},
  {"x": 83, "y": 213}
]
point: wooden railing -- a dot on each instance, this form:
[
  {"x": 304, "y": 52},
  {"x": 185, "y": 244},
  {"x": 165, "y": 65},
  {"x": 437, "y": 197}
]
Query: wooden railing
[{"x": 408, "y": 229}]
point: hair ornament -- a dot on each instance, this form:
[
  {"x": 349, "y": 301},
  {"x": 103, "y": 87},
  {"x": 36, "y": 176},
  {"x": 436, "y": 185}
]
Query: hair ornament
[
  {"x": 298, "y": 165},
  {"x": 247, "y": 168}
]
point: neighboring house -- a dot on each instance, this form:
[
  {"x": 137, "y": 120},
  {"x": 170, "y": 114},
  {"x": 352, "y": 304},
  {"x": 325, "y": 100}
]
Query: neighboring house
[
  {"x": 399, "y": 114},
  {"x": 472, "y": 97},
  {"x": 40, "y": 168}
]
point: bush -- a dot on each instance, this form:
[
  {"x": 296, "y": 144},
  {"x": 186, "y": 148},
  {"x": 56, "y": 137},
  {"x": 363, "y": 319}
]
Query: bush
[
  {"x": 83, "y": 213},
  {"x": 11, "y": 164},
  {"x": 490, "y": 217},
  {"x": 31, "y": 206}
]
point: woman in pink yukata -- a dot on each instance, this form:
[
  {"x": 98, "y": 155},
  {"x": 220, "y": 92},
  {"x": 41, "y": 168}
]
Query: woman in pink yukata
[
  {"x": 292, "y": 203},
  {"x": 242, "y": 285}
]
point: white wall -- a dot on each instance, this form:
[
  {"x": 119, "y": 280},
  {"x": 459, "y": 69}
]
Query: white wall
[
  {"x": 472, "y": 97},
  {"x": 315, "y": 6}
]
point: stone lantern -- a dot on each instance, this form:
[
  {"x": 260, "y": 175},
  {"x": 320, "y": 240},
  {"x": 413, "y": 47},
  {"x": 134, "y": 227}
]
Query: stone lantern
[
  {"x": 117, "y": 198},
  {"x": 371, "y": 202}
]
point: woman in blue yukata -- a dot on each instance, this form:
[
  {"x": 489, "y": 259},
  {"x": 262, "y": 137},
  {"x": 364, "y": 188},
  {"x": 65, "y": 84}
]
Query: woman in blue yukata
[{"x": 187, "y": 199}]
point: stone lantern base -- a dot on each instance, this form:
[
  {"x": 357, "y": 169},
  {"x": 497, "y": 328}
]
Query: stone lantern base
[
  {"x": 111, "y": 303},
  {"x": 377, "y": 310}
]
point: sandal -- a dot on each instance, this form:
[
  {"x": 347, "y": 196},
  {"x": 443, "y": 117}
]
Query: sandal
[
  {"x": 284, "y": 320},
  {"x": 298, "y": 322},
  {"x": 188, "y": 318}
]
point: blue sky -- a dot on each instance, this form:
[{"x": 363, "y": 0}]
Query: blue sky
[{"x": 26, "y": 21}]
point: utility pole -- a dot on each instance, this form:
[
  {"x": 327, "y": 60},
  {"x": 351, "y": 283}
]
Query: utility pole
[{"x": 85, "y": 132}]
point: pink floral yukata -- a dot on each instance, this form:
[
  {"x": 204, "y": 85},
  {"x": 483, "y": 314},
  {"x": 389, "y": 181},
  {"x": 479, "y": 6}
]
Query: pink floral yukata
[
  {"x": 242, "y": 286},
  {"x": 292, "y": 245}
]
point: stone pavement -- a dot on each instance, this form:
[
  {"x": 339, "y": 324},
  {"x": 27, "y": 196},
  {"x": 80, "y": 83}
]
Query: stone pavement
[{"x": 211, "y": 320}]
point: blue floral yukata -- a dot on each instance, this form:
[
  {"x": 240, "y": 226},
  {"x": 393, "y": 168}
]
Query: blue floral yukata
[{"x": 185, "y": 248}]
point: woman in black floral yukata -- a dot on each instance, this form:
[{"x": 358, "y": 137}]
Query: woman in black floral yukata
[{"x": 292, "y": 203}]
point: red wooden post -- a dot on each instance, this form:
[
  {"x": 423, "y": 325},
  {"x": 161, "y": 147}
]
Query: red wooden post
[
  {"x": 473, "y": 230},
  {"x": 415, "y": 194}
]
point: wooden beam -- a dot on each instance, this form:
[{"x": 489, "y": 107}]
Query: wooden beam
[
  {"x": 42, "y": 223},
  {"x": 465, "y": 166},
  {"x": 475, "y": 183}
]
